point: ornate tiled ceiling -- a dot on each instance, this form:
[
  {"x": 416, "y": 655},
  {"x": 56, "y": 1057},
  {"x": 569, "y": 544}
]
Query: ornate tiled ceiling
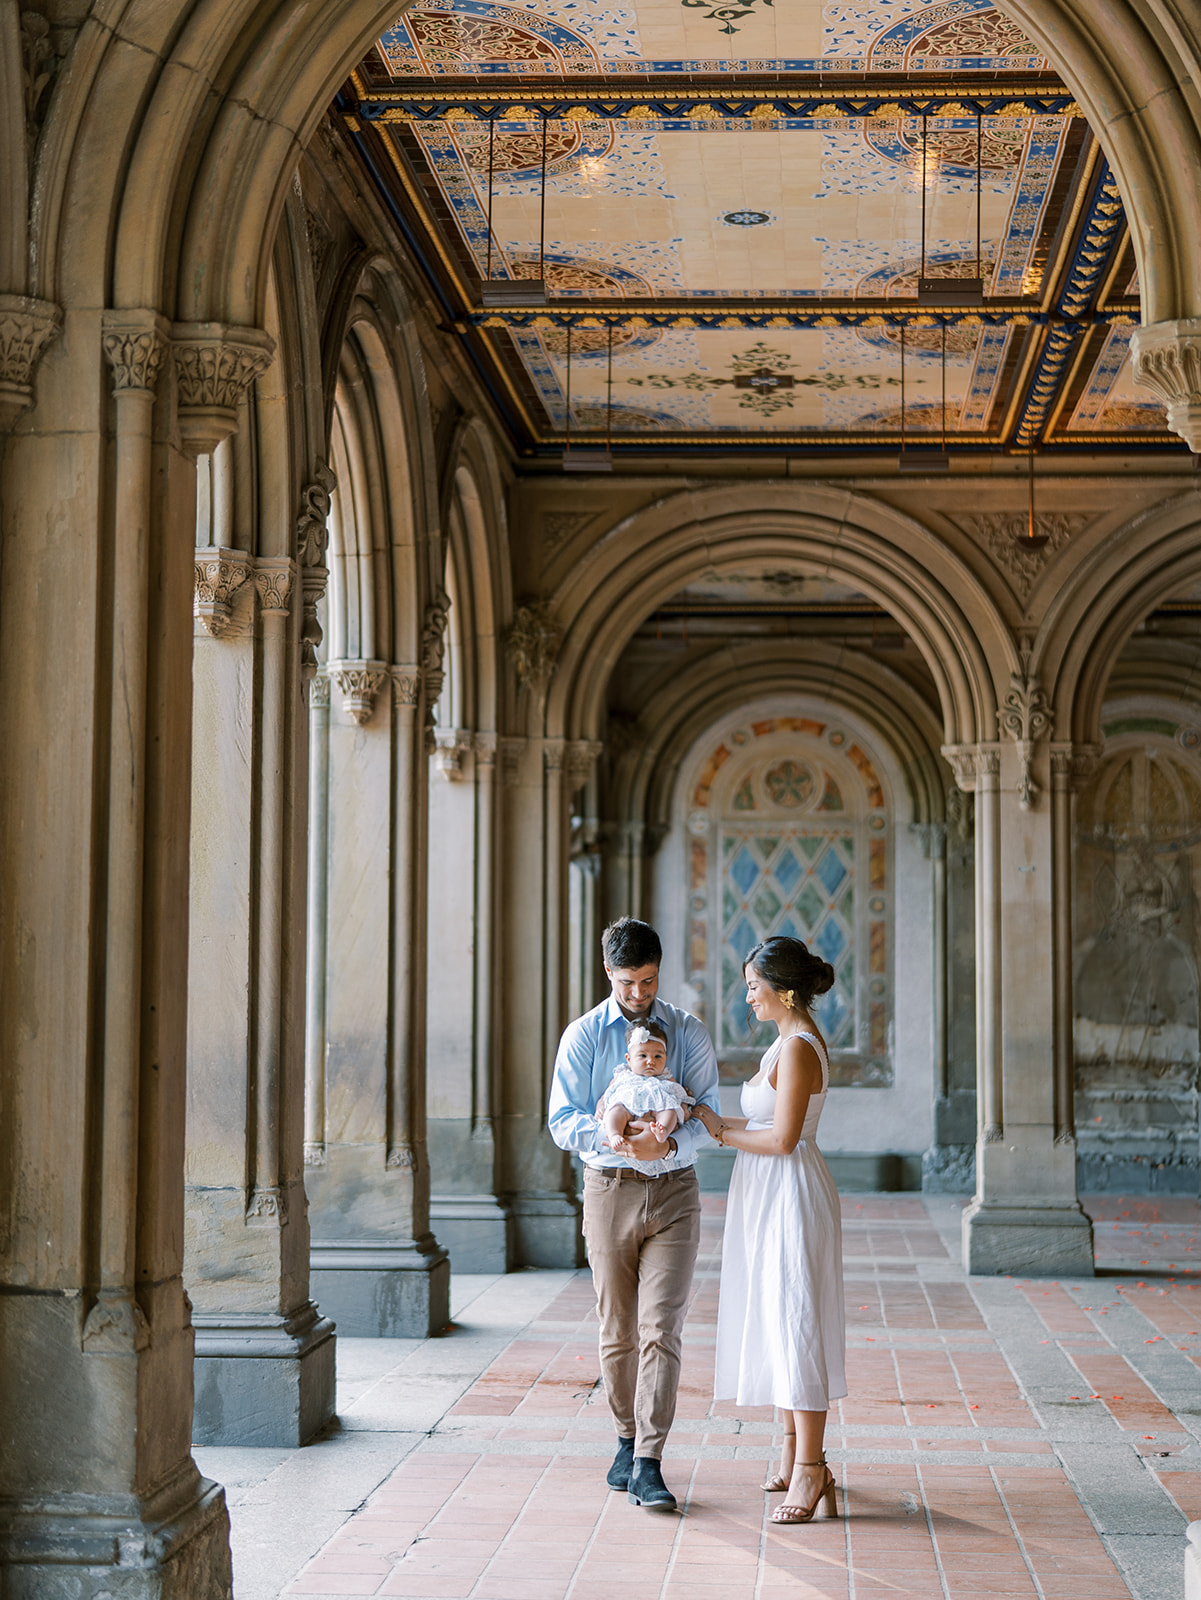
[{"x": 730, "y": 208}]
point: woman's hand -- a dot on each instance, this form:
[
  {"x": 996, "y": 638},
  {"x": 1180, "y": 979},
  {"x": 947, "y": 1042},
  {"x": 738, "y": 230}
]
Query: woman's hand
[{"x": 713, "y": 1123}]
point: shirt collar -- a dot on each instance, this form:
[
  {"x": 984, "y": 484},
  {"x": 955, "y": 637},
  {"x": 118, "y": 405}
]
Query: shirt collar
[{"x": 614, "y": 1013}]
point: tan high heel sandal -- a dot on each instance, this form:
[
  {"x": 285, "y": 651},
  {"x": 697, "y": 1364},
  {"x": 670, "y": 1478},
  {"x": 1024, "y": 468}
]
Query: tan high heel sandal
[
  {"x": 779, "y": 1481},
  {"x": 787, "y": 1514}
]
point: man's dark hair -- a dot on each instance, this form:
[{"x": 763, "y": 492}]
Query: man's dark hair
[
  {"x": 630, "y": 944},
  {"x": 655, "y": 1029}
]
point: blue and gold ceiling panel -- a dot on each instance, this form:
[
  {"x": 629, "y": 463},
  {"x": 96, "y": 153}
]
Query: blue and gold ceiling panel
[{"x": 821, "y": 223}]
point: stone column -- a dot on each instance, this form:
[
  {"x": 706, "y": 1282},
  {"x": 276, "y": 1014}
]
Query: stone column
[
  {"x": 264, "y": 1354},
  {"x": 376, "y": 1266},
  {"x": 1025, "y": 1216},
  {"x": 318, "y": 917},
  {"x": 466, "y": 1212},
  {"x": 99, "y": 1491}
]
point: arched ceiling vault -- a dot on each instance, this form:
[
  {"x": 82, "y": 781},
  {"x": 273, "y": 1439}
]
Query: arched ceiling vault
[
  {"x": 938, "y": 602},
  {"x": 733, "y": 676},
  {"x": 691, "y": 225}
]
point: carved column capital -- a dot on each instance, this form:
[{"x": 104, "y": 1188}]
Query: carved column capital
[
  {"x": 214, "y": 367},
  {"x": 26, "y": 327},
  {"x": 135, "y": 345},
  {"x": 485, "y": 747},
  {"x": 510, "y": 761},
  {"x": 971, "y": 762},
  {"x": 1167, "y": 360},
  {"x": 582, "y": 756},
  {"x": 1072, "y": 765},
  {"x": 359, "y": 683},
  {"x": 406, "y": 685},
  {"x": 273, "y": 579},
  {"x": 554, "y": 755},
  {"x": 319, "y": 691},
  {"x": 450, "y": 746},
  {"x": 219, "y": 575}
]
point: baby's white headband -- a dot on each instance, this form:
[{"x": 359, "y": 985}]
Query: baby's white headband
[{"x": 644, "y": 1036}]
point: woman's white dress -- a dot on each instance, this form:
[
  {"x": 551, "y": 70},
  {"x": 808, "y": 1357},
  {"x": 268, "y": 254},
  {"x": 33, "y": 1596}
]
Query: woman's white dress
[{"x": 781, "y": 1330}]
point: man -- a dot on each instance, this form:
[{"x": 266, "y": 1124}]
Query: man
[{"x": 642, "y": 1214}]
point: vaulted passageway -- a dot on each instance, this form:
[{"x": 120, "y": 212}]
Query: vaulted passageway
[{"x": 611, "y": 463}]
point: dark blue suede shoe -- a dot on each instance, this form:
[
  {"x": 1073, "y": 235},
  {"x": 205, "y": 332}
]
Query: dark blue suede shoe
[
  {"x": 647, "y": 1487},
  {"x": 623, "y": 1465}
]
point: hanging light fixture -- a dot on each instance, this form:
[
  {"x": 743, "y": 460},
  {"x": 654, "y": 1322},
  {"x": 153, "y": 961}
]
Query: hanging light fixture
[
  {"x": 500, "y": 292},
  {"x": 952, "y": 291},
  {"x": 1030, "y": 540},
  {"x": 923, "y": 457},
  {"x": 590, "y": 459}
]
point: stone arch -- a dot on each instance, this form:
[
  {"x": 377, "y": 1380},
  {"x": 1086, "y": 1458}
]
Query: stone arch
[
  {"x": 1131, "y": 68},
  {"x": 943, "y": 606},
  {"x": 1101, "y": 602}
]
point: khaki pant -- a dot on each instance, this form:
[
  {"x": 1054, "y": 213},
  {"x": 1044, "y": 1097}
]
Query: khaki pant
[{"x": 642, "y": 1238}]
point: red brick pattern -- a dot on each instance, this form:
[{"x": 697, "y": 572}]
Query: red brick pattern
[{"x": 507, "y": 1501}]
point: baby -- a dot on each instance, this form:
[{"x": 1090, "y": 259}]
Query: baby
[{"x": 641, "y": 1091}]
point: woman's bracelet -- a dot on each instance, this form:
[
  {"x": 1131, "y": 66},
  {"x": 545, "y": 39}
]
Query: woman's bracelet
[{"x": 720, "y": 1135}]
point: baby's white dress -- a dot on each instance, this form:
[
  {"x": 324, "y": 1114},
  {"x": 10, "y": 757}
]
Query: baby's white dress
[
  {"x": 781, "y": 1328},
  {"x": 640, "y": 1095}
]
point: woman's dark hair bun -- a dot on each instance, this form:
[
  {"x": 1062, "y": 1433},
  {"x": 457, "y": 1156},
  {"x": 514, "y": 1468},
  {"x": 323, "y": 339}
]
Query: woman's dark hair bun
[{"x": 792, "y": 969}]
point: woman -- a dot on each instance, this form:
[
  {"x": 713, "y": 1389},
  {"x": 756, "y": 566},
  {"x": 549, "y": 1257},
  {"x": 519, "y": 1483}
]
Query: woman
[{"x": 781, "y": 1334}]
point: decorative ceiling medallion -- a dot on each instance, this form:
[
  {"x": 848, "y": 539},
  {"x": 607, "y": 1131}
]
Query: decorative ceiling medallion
[
  {"x": 746, "y": 219},
  {"x": 726, "y": 17}
]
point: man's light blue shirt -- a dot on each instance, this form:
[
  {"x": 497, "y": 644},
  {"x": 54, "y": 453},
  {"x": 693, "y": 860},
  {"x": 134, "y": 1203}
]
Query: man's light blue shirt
[{"x": 591, "y": 1050}]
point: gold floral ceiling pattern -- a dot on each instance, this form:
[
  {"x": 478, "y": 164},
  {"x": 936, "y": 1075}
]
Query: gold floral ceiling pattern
[{"x": 685, "y": 223}]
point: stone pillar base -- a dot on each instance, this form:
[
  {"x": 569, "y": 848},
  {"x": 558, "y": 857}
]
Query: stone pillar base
[
  {"x": 383, "y": 1288},
  {"x": 262, "y": 1380},
  {"x": 475, "y": 1230},
  {"x": 174, "y": 1546},
  {"x": 949, "y": 1169},
  {"x": 548, "y": 1230},
  {"x": 1037, "y": 1241}
]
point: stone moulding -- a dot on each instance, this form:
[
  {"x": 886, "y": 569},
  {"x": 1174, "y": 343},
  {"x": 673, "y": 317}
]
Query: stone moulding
[
  {"x": 451, "y": 746},
  {"x": 1167, "y": 360},
  {"x": 214, "y": 367},
  {"x": 220, "y": 575},
  {"x": 359, "y": 684},
  {"x": 27, "y": 326}
]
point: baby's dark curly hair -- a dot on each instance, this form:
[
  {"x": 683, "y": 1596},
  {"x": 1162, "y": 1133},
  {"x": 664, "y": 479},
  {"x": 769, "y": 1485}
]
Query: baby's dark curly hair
[{"x": 791, "y": 968}]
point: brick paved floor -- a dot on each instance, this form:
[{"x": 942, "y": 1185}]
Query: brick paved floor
[{"x": 1002, "y": 1438}]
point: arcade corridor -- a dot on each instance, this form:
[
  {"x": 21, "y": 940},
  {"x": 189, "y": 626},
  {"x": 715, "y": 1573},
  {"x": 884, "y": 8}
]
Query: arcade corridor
[{"x": 1003, "y": 1438}]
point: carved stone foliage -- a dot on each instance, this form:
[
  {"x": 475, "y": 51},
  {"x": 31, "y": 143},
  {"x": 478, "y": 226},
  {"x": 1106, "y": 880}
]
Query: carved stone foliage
[
  {"x": 359, "y": 684},
  {"x": 26, "y": 327},
  {"x": 560, "y": 526},
  {"x": 268, "y": 1205},
  {"x": 214, "y": 367},
  {"x": 1006, "y": 537},
  {"x": 451, "y": 745},
  {"x": 406, "y": 685},
  {"x": 1167, "y": 360},
  {"x": 581, "y": 758},
  {"x": 532, "y": 642},
  {"x": 39, "y": 63},
  {"x": 273, "y": 580},
  {"x": 510, "y": 761},
  {"x": 1025, "y": 718},
  {"x": 971, "y": 762},
  {"x": 135, "y": 347},
  {"x": 319, "y": 691},
  {"x": 433, "y": 646},
  {"x": 312, "y": 538},
  {"x": 219, "y": 575},
  {"x": 1072, "y": 765}
]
